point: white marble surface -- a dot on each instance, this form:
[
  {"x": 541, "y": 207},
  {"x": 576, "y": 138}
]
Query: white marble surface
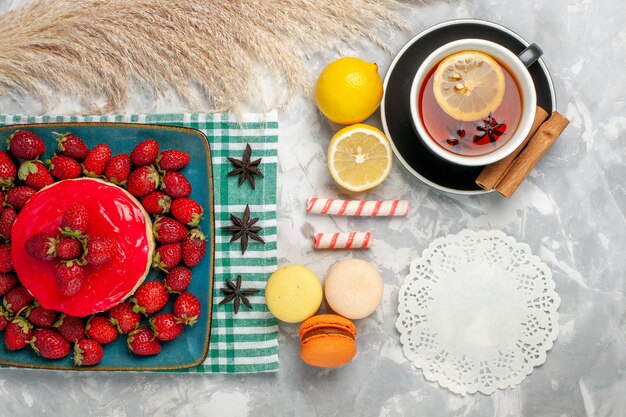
[{"x": 571, "y": 211}]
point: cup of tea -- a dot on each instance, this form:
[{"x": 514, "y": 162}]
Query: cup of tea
[{"x": 473, "y": 101}]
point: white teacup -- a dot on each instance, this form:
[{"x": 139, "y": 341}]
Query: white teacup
[{"x": 516, "y": 64}]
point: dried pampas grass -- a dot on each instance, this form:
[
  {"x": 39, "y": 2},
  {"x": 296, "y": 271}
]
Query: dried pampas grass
[{"x": 94, "y": 50}]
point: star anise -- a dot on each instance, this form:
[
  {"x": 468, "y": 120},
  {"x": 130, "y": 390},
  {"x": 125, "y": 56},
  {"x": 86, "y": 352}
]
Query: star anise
[
  {"x": 244, "y": 228},
  {"x": 491, "y": 128},
  {"x": 245, "y": 168},
  {"x": 234, "y": 293}
]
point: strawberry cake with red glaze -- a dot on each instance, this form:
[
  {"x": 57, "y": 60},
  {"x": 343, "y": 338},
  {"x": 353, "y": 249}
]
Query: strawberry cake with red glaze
[{"x": 114, "y": 213}]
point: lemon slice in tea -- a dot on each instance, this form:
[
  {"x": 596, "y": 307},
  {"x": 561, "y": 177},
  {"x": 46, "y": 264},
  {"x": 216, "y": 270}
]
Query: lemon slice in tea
[
  {"x": 469, "y": 85},
  {"x": 359, "y": 157}
]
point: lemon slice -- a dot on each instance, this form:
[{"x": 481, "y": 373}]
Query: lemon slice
[
  {"x": 359, "y": 157},
  {"x": 469, "y": 85}
]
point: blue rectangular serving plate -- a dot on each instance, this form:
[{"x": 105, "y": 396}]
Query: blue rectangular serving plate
[{"x": 191, "y": 347}]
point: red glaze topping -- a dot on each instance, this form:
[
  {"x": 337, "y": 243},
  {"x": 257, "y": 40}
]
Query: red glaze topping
[{"x": 114, "y": 213}]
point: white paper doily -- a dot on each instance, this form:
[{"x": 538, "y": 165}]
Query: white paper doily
[{"x": 477, "y": 312}]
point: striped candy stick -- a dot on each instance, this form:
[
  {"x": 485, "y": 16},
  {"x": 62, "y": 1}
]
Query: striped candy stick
[
  {"x": 337, "y": 240},
  {"x": 357, "y": 207}
]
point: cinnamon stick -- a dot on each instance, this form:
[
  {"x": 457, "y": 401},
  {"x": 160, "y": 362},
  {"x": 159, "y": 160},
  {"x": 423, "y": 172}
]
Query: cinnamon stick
[
  {"x": 540, "y": 143},
  {"x": 492, "y": 174}
]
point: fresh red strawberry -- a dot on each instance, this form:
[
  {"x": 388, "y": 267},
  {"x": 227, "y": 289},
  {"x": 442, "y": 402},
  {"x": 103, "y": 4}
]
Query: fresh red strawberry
[
  {"x": 40, "y": 316},
  {"x": 7, "y": 283},
  {"x": 118, "y": 169},
  {"x": 75, "y": 219},
  {"x": 8, "y": 171},
  {"x": 17, "y": 299},
  {"x": 143, "y": 181},
  {"x": 101, "y": 330},
  {"x": 49, "y": 344},
  {"x": 96, "y": 161},
  {"x": 87, "y": 352},
  {"x": 4, "y": 318},
  {"x": 124, "y": 318},
  {"x": 194, "y": 247},
  {"x": 157, "y": 202},
  {"x": 142, "y": 342},
  {"x": 64, "y": 168},
  {"x": 35, "y": 175},
  {"x": 187, "y": 308},
  {"x": 145, "y": 153},
  {"x": 166, "y": 327},
  {"x": 168, "y": 230},
  {"x": 41, "y": 246},
  {"x": 70, "y": 327},
  {"x": 18, "y": 333},
  {"x": 187, "y": 211},
  {"x": 69, "y": 248},
  {"x": 178, "y": 279},
  {"x": 175, "y": 185},
  {"x": 150, "y": 297},
  {"x": 100, "y": 250},
  {"x": 167, "y": 256},
  {"x": 7, "y": 219},
  {"x": 25, "y": 145},
  {"x": 172, "y": 160},
  {"x": 69, "y": 277},
  {"x": 72, "y": 146},
  {"x": 6, "y": 263},
  {"x": 17, "y": 197}
]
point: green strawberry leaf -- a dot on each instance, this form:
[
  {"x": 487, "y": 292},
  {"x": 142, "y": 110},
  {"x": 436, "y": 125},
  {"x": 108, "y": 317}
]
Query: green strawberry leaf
[
  {"x": 195, "y": 219},
  {"x": 24, "y": 325},
  {"x": 78, "y": 354},
  {"x": 66, "y": 231},
  {"x": 26, "y": 168},
  {"x": 31, "y": 342},
  {"x": 116, "y": 324},
  {"x": 165, "y": 203},
  {"x": 137, "y": 308},
  {"x": 196, "y": 234},
  {"x": 59, "y": 322},
  {"x": 156, "y": 263}
]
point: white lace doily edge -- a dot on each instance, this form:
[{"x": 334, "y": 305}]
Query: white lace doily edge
[
  {"x": 444, "y": 383},
  {"x": 512, "y": 383}
]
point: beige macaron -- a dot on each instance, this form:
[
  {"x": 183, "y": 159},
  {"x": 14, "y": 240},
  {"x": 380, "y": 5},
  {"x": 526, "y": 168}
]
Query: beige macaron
[{"x": 353, "y": 288}]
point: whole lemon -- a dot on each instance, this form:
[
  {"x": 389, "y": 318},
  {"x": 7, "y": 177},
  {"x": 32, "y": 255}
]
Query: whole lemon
[{"x": 349, "y": 90}]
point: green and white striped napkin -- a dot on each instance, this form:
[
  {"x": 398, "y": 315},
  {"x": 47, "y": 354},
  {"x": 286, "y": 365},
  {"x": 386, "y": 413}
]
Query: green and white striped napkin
[{"x": 248, "y": 341}]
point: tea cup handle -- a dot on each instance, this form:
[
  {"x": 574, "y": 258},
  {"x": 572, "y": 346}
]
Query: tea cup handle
[{"x": 530, "y": 55}]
